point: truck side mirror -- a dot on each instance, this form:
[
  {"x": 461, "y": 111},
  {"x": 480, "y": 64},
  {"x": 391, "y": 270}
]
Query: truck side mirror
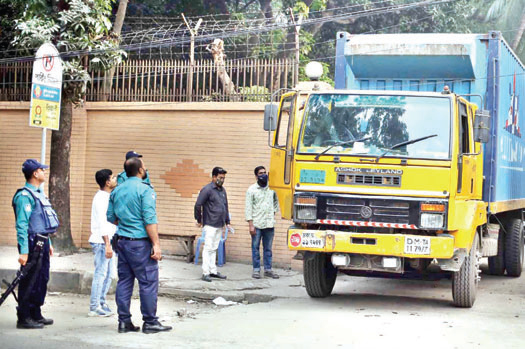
[
  {"x": 481, "y": 126},
  {"x": 270, "y": 117}
]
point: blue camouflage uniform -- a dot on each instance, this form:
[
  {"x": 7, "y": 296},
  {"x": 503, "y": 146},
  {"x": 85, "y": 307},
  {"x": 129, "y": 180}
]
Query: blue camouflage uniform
[
  {"x": 132, "y": 204},
  {"x": 33, "y": 216}
]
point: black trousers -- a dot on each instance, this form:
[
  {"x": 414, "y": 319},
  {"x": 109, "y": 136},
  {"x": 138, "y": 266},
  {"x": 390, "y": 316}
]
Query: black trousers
[{"x": 32, "y": 289}]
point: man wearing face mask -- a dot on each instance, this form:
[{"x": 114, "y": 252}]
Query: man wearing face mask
[
  {"x": 132, "y": 206},
  {"x": 211, "y": 212},
  {"x": 261, "y": 206}
]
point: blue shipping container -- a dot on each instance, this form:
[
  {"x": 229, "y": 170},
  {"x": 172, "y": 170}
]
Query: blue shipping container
[{"x": 480, "y": 64}]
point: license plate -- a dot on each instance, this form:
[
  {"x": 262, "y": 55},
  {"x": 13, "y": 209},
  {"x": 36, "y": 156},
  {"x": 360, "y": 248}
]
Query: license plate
[
  {"x": 311, "y": 240},
  {"x": 417, "y": 245}
]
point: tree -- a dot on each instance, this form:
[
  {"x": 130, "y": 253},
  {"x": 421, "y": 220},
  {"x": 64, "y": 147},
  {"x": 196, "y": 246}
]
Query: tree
[
  {"x": 78, "y": 28},
  {"x": 509, "y": 12}
]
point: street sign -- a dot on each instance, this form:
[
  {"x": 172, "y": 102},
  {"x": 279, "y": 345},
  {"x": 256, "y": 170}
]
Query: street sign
[{"x": 46, "y": 88}]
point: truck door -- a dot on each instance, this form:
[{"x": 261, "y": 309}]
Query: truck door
[
  {"x": 466, "y": 154},
  {"x": 281, "y": 169}
]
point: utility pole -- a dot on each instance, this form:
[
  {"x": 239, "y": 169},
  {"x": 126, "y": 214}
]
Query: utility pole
[
  {"x": 193, "y": 32},
  {"x": 297, "y": 28}
]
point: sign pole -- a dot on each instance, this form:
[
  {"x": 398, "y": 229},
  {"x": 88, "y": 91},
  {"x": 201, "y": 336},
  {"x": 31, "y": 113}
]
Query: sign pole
[
  {"x": 43, "y": 151},
  {"x": 46, "y": 93}
]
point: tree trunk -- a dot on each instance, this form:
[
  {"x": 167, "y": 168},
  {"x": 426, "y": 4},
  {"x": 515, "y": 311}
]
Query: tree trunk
[
  {"x": 59, "y": 190},
  {"x": 217, "y": 50},
  {"x": 519, "y": 33},
  {"x": 117, "y": 29},
  {"x": 266, "y": 8}
]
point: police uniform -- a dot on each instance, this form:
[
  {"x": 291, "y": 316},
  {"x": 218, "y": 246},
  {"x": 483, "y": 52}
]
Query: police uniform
[
  {"x": 132, "y": 204},
  {"x": 121, "y": 178},
  {"x": 34, "y": 216}
]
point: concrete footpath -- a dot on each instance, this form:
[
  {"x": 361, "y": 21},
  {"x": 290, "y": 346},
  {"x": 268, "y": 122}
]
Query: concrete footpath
[{"x": 74, "y": 274}]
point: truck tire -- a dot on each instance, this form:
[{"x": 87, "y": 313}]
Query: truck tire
[
  {"x": 514, "y": 247},
  {"x": 497, "y": 263},
  {"x": 319, "y": 274},
  {"x": 465, "y": 281}
]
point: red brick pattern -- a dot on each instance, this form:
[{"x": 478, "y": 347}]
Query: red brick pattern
[{"x": 187, "y": 178}]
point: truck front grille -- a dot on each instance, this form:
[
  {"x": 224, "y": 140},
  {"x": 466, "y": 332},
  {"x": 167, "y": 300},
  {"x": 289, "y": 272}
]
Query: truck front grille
[{"x": 355, "y": 209}]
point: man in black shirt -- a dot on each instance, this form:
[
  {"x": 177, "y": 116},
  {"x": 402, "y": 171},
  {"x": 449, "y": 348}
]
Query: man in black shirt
[{"x": 211, "y": 211}]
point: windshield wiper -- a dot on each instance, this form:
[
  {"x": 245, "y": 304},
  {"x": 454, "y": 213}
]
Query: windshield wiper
[
  {"x": 402, "y": 144},
  {"x": 342, "y": 143}
]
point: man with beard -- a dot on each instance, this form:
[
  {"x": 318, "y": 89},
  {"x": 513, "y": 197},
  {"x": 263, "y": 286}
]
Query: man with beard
[{"x": 132, "y": 207}]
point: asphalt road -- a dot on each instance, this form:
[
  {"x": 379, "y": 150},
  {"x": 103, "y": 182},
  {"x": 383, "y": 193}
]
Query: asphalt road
[{"x": 362, "y": 313}]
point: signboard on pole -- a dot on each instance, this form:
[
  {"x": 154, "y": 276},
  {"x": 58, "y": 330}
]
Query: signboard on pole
[{"x": 46, "y": 88}]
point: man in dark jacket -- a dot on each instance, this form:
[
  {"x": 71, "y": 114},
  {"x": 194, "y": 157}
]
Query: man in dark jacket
[{"x": 211, "y": 212}]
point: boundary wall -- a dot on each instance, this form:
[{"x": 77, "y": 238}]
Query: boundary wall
[{"x": 181, "y": 143}]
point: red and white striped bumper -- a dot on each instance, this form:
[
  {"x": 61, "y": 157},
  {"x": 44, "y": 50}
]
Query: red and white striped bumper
[{"x": 366, "y": 224}]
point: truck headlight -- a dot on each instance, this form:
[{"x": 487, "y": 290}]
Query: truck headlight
[
  {"x": 305, "y": 208},
  {"x": 431, "y": 220}
]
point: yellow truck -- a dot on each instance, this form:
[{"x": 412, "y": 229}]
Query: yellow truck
[{"x": 414, "y": 162}]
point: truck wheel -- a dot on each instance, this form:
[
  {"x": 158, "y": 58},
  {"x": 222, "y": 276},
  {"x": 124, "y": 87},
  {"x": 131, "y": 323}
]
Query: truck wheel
[
  {"x": 497, "y": 263},
  {"x": 514, "y": 247},
  {"x": 319, "y": 274},
  {"x": 465, "y": 281}
]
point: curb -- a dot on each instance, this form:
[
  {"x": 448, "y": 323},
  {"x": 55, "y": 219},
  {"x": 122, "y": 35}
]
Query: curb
[{"x": 80, "y": 283}]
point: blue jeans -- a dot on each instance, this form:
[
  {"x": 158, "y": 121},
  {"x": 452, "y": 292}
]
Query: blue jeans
[
  {"x": 267, "y": 239},
  {"x": 102, "y": 276}
]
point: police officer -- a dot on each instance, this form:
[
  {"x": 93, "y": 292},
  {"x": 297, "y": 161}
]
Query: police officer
[
  {"x": 35, "y": 221},
  {"x": 121, "y": 178},
  {"x": 132, "y": 207}
]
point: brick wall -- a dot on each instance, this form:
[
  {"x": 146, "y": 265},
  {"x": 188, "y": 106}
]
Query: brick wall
[{"x": 181, "y": 143}]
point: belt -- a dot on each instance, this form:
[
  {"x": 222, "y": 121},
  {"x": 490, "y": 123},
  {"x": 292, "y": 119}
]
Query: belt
[{"x": 131, "y": 239}]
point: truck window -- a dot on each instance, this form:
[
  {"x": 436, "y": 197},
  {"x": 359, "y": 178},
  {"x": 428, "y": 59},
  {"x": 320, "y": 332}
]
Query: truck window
[
  {"x": 464, "y": 134},
  {"x": 284, "y": 118}
]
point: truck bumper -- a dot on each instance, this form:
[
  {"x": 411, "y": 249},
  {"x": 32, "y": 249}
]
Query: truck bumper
[{"x": 441, "y": 247}]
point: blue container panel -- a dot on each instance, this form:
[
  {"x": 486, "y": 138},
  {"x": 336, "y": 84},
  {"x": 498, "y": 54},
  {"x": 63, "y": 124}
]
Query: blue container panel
[
  {"x": 459, "y": 87},
  {"x": 510, "y": 126}
]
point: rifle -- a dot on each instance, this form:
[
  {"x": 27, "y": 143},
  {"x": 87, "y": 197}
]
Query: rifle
[{"x": 24, "y": 270}]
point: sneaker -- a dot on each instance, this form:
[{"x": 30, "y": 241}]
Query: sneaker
[
  {"x": 98, "y": 312},
  {"x": 270, "y": 274},
  {"x": 256, "y": 275},
  {"x": 106, "y": 309},
  {"x": 206, "y": 277}
]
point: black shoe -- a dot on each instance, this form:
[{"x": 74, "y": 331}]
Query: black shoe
[
  {"x": 218, "y": 276},
  {"x": 124, "y": 327},
  {"x": 44, "y": 321},
  {"x": 271, "y": 274},
  {"x": 206, "y": 277},
  {"x": 29, "y": 324},
  {"x": 155, "y": 327}
]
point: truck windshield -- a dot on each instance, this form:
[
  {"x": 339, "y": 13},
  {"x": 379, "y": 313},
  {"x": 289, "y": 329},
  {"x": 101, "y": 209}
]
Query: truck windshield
[{"x": 387, "y": 120}]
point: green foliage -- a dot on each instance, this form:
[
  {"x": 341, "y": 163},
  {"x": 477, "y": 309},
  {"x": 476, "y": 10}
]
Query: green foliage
[
  {"x": 82, "y": 28},
  {"x": 254, "y": 93}
]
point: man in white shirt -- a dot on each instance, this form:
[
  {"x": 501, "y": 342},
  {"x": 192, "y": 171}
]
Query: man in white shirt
[{"x": 101, "y": 233}]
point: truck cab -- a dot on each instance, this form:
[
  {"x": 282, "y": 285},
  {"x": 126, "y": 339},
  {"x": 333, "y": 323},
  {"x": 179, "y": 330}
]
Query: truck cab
[{"x": 374, "y": 181}]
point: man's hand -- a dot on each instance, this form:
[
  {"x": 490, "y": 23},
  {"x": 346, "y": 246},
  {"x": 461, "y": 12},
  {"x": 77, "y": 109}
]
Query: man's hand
[
  {"x": 199, "y": 225},
  {"x": 109, "y": 251},
  {"x": 252, "y": 228},
  {"x": 51, "y": 250},
  {"x": 156, "y": 253},
  {"x": 22, "y": 259}
]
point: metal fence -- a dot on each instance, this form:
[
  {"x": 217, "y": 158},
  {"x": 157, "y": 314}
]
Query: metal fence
[{"x": 168, "y": 81}]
